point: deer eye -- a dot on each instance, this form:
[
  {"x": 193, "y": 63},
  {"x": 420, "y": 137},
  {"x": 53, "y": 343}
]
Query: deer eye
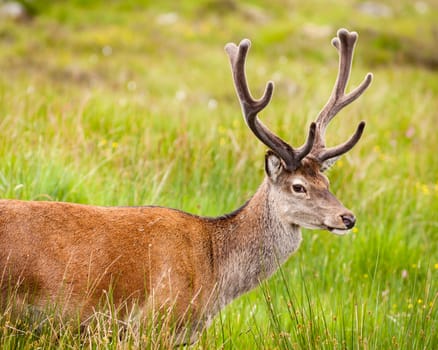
[{"x": 299, "y": 188}]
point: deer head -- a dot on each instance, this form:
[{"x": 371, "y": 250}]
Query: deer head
[{"x": 299, "y": 190}]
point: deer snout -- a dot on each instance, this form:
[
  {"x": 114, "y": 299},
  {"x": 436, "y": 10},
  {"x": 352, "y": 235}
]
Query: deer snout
[{"x": 349, "y": 220}]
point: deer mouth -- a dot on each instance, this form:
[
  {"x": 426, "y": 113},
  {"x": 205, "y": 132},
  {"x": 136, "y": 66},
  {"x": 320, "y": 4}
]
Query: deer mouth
[{"x": 338, "y": 231}]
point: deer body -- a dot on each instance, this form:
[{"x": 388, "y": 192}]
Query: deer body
[
  {"x": 75, "y": 252},
  {"x": 70, "y": 253},
  {"x": 165, "y": 259}
]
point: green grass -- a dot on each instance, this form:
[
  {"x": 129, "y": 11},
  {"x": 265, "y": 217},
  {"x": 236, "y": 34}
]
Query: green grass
[{"x": 114, "y": 103}]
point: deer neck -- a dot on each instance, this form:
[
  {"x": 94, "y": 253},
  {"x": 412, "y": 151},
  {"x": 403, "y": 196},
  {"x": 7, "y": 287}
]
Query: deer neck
[{"x": 250, "y": 245}]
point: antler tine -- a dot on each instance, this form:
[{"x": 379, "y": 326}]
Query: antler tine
[
  {"x": 251, "y": 107},
  {"x": 344, "y": 43},
  {"x": 237, "y": 55},
  {"x": 344, "y": 147}
]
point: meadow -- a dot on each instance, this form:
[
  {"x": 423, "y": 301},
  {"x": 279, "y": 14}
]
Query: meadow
[{"x": 132, "y": 103}]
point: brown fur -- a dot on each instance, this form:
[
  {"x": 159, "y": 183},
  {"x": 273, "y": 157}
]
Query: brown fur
[{"x": 75, "y": 252}]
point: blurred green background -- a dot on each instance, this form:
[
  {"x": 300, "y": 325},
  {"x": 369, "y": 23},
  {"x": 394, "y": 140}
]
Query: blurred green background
[{"x": 132, "y": 103}]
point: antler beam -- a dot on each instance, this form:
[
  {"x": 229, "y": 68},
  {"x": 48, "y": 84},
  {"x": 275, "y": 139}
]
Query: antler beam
[
  {"x": 344, "y": 43},
  {"x": 251, "y": 107}
]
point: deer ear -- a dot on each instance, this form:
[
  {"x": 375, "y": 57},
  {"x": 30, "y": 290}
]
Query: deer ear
[
  {"x": 273, "y": 165},
  {"x": 327, "y": 164}
]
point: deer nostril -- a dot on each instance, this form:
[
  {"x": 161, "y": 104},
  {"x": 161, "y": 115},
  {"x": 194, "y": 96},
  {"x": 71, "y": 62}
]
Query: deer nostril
[{"x": 349, "y": 220}]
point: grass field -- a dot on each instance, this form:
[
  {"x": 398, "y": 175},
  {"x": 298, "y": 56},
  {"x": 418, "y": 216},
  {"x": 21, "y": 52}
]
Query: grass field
[{"x": 132, "y": 103}]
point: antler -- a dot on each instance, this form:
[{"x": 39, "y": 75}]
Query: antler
[
  {"x": 344, "y": 43},
  {"x": 250, "y": 108}
]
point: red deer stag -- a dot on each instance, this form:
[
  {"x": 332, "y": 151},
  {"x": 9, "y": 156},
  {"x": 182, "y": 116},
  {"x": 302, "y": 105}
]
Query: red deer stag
[{"x": 72, "y": 253}]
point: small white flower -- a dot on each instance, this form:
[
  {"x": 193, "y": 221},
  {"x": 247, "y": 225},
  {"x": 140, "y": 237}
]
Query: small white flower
[
  {"x": 180, "y": 95},
  {"x": 212, "y": 103},
  {"x": 107, "y": 50},
  {"x": 132, "y": 85}
]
